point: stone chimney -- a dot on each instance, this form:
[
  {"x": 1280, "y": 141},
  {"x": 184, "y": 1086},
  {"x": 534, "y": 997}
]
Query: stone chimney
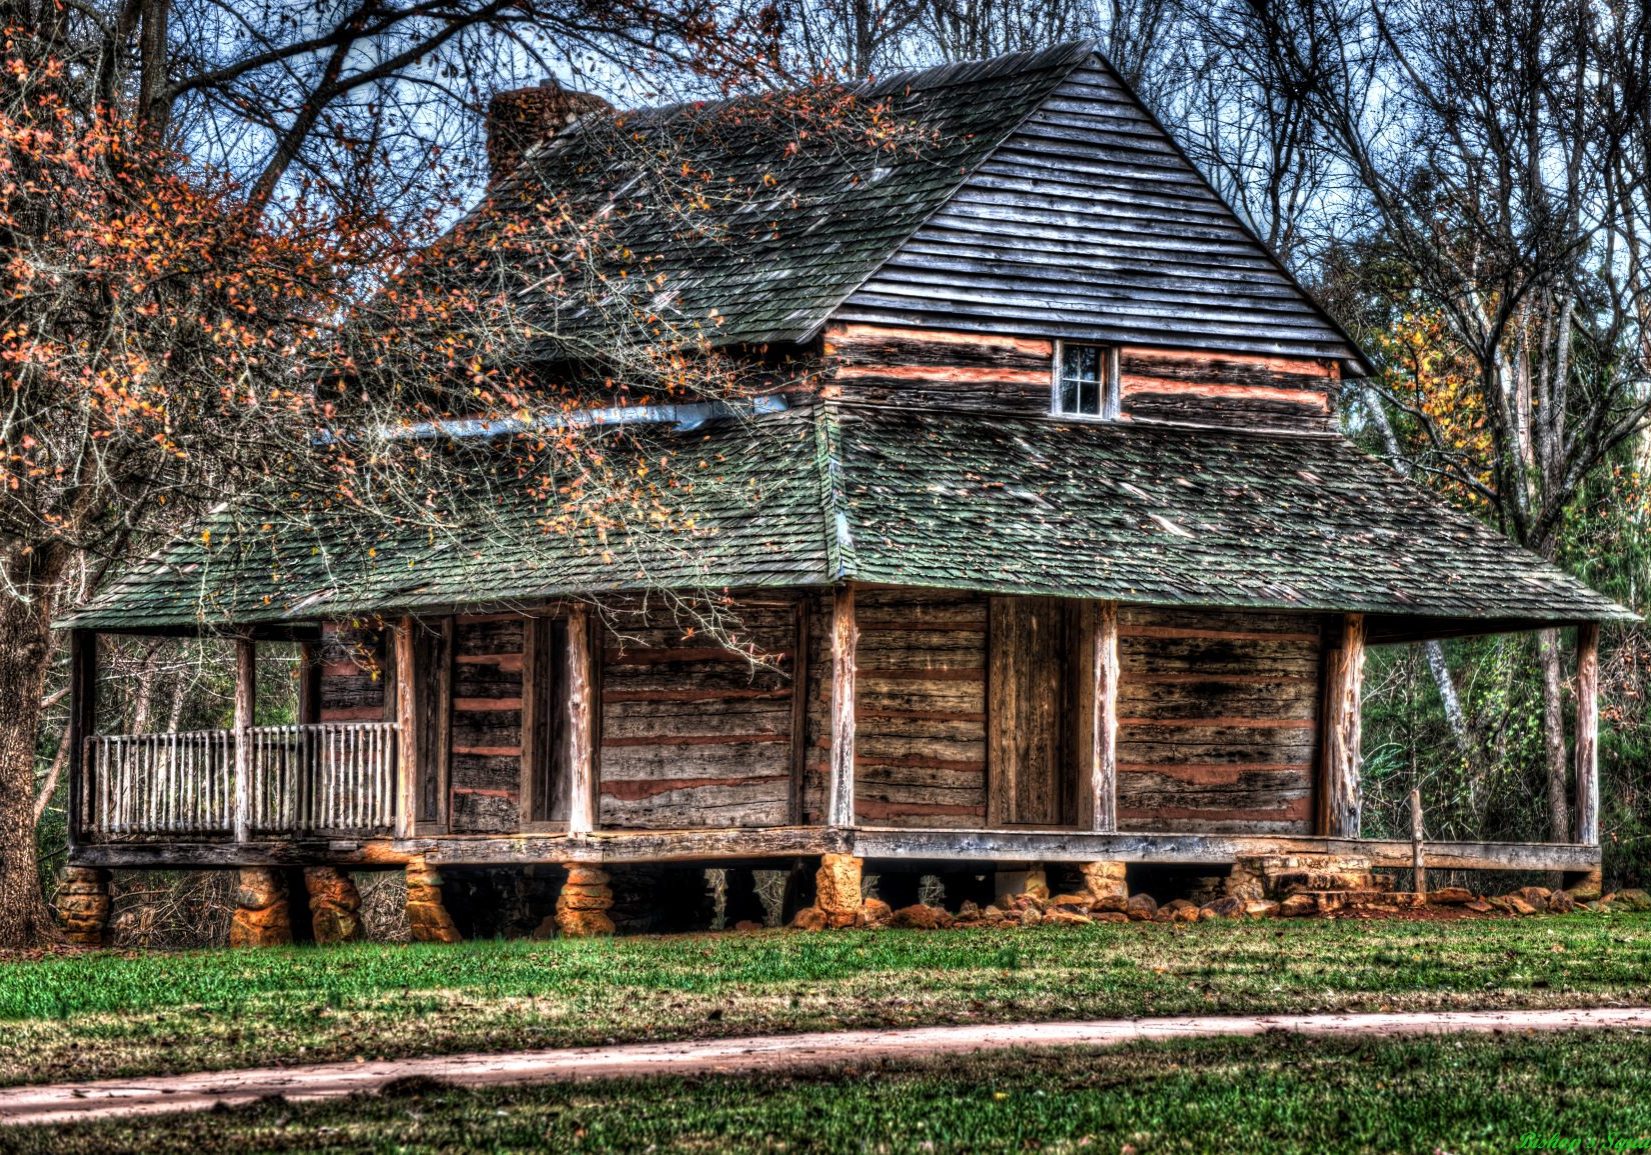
[{"x": 523, "y": 117}]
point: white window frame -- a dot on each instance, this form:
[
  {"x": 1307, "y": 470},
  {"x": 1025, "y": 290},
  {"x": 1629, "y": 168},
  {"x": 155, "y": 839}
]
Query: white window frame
[{"x": 1111, "y": 392}]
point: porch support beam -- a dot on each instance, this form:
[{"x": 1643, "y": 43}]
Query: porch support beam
[
  {"x": 82, "y": 725},
  {"x": 581, "y": 705},
  {"x": 845, "y": 639},
  {"x": 1587, "y": 734},
  {"x": 246, "y": 713},
  {"x": 408, "y": 723},
  {"x": 1099, "y": 792},
  {"x": 1340, "y": 793}
]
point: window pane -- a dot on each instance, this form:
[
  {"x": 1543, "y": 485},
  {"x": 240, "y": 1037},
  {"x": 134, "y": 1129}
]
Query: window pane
[
  {"x": 1090, "y": 359},
  {"x": 1069, "y": 394},
  {"x": 1082, "y": 379}
]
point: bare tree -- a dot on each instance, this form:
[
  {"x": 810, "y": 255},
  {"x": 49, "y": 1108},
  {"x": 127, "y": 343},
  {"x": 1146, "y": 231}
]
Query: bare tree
[
  {"x": 1502, "y": 153},
  {"x": 196, "y": 192}
]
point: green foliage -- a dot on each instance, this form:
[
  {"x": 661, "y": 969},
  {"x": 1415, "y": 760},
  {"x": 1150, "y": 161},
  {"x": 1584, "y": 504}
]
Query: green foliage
[
  {"x": 1497, "y": 790},
  {"x": 108, "y": 1015},
  {"x": 1278, "y": 1093}
]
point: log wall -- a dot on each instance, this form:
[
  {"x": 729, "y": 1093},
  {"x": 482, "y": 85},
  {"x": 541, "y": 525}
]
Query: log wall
[
  {"x": 1217, "y": 721},
  {"x": 485, "y": 794},
  {"x": 1229, "y": 389},
  {"x": 920, "y": 712},
  {"x": 693, "y": 734},
  {"x": 931, "y": 367},
  {"x": 1002, "y": 373},
  {"x": 1217, "y": 717},
  {"x": 355, "y": 670}
]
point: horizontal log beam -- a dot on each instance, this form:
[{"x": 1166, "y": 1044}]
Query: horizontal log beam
[
  {"x": 1191, "y": 849},
  {"x": 780, "y": 842}
]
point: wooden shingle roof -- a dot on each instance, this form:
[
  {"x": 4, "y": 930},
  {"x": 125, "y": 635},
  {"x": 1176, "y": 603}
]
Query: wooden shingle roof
[
  {"x": 1029, "y": 193},
  {"x": 839, "y": 492},
  {"x": 760, "y": 233}
]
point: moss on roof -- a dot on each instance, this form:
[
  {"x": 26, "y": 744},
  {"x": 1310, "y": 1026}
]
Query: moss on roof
[
  {"x": 752, "y": 217},
  {"x": 842, "y": 492}
]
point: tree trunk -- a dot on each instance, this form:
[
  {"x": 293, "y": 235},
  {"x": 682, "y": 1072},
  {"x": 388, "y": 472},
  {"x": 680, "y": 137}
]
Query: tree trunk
[
  {"x": 1553, "y": 733},
  {"x": 25, "y": 658},
  {"x": 1455, "y": 717}
]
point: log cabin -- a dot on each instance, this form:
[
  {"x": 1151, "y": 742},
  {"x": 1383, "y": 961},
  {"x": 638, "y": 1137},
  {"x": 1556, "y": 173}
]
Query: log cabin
[{"x": 1062, "y": 558}]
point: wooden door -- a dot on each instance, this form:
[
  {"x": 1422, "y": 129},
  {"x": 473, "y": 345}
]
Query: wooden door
[{"x": 1028, "y": 781}]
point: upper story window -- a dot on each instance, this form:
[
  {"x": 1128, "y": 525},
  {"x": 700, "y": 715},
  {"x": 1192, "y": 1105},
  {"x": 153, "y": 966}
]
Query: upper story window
[{"x": 1086, "y": 380}]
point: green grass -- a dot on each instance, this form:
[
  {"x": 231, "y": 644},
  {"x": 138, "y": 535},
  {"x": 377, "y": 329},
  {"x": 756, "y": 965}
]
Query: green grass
[
  {"x": 1281, "y": 1093},
  {"x": 106, "y": 1015}
]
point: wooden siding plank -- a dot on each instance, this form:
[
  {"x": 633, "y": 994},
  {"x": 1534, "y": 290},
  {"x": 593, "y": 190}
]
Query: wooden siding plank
[{"x": 695, "y": 731}]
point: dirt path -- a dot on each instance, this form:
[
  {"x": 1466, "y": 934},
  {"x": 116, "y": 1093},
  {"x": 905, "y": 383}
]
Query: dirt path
[{"x": 69, "y": 1102}]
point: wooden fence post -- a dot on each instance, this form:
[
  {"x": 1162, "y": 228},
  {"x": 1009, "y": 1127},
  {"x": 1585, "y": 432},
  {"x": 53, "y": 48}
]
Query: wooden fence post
[
  {"x": 1418, "y": 864},
  {"x": 246, "y": 702},
  {"x": 581, "y": 699},
  {"x": 1587, "y": 734},
  {"x": 845, "y": 638},
  {"x": 1340, "y": 793}
]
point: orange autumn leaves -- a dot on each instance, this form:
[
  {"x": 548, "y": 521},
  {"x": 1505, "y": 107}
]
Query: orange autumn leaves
[
  {"x": 143, "y": 302},
  {"x": 1431, "y": 375}
]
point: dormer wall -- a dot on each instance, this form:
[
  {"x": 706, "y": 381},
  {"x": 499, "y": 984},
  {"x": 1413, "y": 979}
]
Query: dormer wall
[{"x": 1007, "y": 373}]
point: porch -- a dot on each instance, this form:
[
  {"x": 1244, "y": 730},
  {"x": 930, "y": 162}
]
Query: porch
[{"x": 379, "y": 791}]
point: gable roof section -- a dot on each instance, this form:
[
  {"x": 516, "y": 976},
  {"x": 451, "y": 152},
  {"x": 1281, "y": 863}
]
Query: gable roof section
[
  {"x": 1089, "y": 222},
  {"x": 771, "y": 268},
  {"x": 1152, "y": 516},
  {"x": 1031, "y": 193}
]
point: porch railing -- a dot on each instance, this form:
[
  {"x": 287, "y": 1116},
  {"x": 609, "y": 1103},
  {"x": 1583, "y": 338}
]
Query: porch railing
[{"x": 332, "y": 778}]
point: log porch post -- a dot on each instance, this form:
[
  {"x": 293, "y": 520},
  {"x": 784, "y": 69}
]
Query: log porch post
[
  {"x": 1340, "y": 793},
  {"x": 408, "y": 724},
  {"x": 246, "y": 703},
  {"x": 1587, "y": 734},
  {"x": 82, "y": 725},
  {"x": 1103, "y": 721},
  {"x": 845, "y": 637},
  {"x": 581, "y": 699}
]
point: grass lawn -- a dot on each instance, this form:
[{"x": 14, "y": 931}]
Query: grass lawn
[
  {"x": 106, "y": 1014},
  {"x": 1282, "y": 1093}
]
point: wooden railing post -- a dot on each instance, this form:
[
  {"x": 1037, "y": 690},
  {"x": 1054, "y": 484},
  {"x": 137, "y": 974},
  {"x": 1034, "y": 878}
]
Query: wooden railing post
[
  {"x": 1587, "y": 734},
  {"x": 82, "y": 725},
  {"x": 845, "y": 638},
  {"x": 1340, "y": 792},
  {"x": 407, "y": 729},
  {"x": 246, "y": 690},
  {"x": 581, "y": 704}
]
